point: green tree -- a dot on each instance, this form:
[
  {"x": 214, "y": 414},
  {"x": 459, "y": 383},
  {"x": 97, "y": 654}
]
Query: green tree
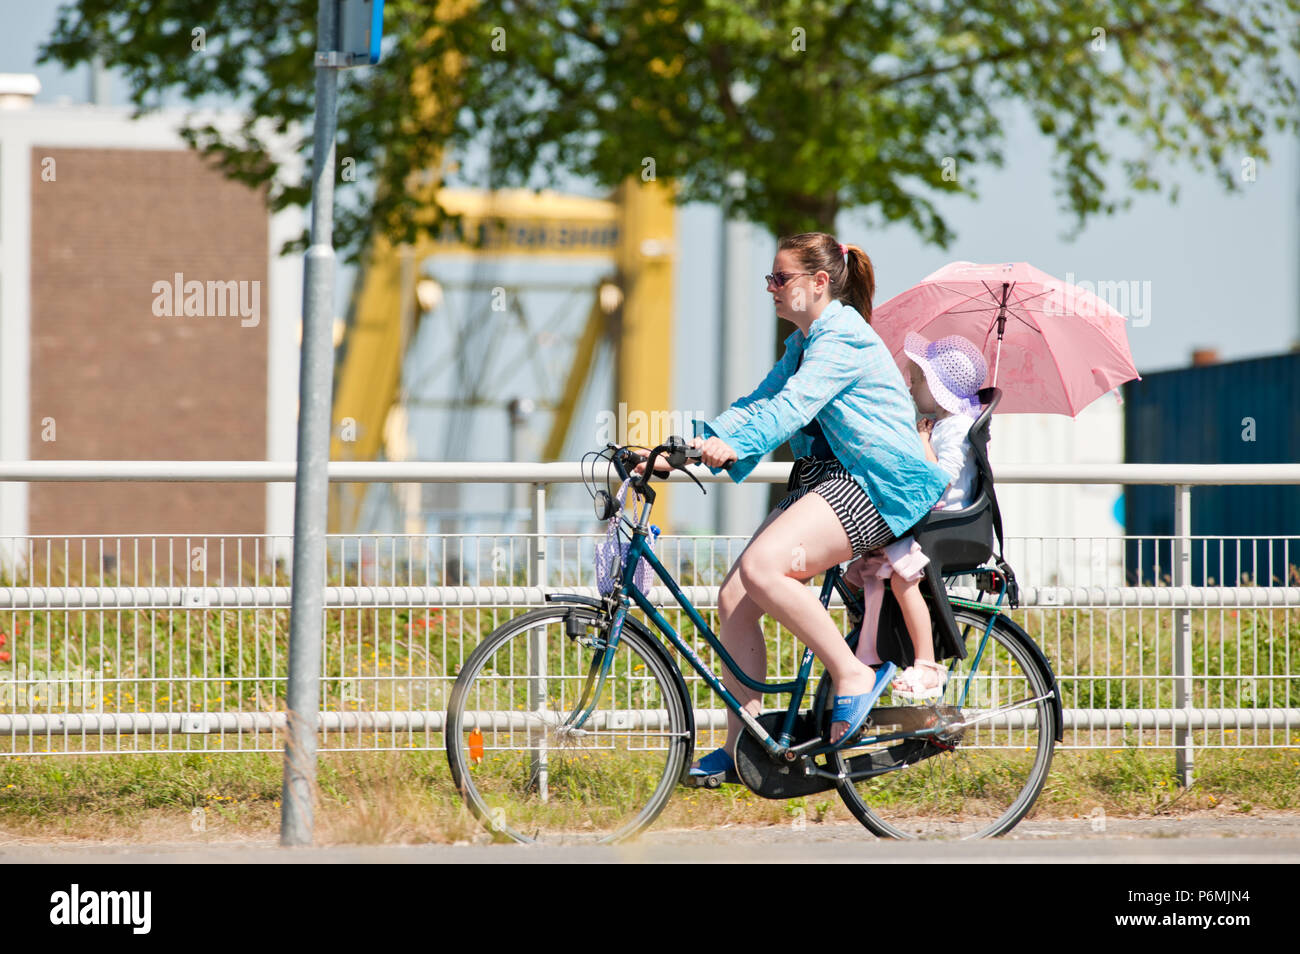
[{"x": 786, "y": 110}]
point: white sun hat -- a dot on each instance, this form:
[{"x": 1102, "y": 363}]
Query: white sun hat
[{"x": 954, "y": 368}]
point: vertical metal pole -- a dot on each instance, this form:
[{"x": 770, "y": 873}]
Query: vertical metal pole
[
  {"x": 539, "y": 528},
  {"x": 409, "y": 496},
  {"x": 99, "y": 82},
  {"x": 739, "y": 508},
  {"x": 518, "y": 410},
  {"x": 310, "y": 492},
  {"x": 1183, "y": 630},
  {"x": 537, "y": 657}
]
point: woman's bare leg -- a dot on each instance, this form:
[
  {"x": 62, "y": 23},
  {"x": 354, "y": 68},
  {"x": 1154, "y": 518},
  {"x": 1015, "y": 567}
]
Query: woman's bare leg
[
  {"x": 740, "y": 629},
  {"x": 803, "y": 541}
]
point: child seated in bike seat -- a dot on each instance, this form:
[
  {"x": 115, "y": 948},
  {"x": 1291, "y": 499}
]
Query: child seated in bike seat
[{"x": 946, "y": 376}]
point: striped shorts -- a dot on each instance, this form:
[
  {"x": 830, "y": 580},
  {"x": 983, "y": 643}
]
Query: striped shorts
[{"x": 828, "y": 479}]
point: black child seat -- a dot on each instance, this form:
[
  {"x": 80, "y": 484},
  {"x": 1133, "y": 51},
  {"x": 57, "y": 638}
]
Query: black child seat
[{"x": 955, "y": 541}]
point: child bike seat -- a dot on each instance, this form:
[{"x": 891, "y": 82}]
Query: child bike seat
[{"x": 960, "y": 540}]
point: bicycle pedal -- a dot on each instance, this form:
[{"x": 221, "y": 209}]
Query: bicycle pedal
[{"x": 715, "y": 780}]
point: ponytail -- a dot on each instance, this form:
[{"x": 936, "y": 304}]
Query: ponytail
[{"x": 853, "y": 279}]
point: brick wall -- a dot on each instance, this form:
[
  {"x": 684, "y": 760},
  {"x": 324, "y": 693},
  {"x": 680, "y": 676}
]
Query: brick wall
[{"x": 120, "y": 382}]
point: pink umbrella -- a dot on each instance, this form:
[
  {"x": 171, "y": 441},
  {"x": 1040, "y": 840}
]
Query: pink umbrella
[{"x": 1051, "y": 347}]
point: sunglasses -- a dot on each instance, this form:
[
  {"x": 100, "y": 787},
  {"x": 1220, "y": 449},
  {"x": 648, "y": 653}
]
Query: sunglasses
[{"x": 780, "y": 278}]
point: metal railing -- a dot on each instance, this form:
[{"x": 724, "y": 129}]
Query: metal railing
[{"x": 163, "y": 643}]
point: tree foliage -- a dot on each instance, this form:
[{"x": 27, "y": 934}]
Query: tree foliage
[{"x": 786, "y": 110}]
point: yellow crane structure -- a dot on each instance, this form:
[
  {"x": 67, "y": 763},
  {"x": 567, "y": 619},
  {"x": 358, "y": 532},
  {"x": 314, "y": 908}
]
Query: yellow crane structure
[{"x": 633, "y": 311}]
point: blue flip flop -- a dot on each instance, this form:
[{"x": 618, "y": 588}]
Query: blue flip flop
[
  {"x": 855, "y": 709},
  {"x": 715, "y": 769},
  {"x": 717, "y": 762}
]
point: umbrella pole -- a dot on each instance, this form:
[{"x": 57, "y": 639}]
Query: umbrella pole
[{"x": 1002, "y": 327}]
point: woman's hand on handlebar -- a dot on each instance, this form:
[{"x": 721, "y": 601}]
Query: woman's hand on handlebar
[
  {"x": 661, "y": 467},
  {"x": 714, "y": 451}
]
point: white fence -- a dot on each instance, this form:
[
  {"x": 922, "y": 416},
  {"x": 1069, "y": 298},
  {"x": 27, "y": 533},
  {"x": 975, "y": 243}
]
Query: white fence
[{"x": 165, "y": 643}]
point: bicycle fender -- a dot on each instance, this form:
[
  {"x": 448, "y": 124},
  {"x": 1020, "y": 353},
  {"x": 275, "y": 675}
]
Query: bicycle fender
[
  {"x": 573, "y": 598},
  {"x": 1043, "y": 665},
  {"x": 656, "y": 645}
]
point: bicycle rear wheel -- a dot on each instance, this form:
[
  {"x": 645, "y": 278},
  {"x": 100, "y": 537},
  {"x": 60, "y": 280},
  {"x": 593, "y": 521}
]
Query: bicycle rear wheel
[
  {"x": 983, "y": 782},
  {"x": 527, "y": 761}
]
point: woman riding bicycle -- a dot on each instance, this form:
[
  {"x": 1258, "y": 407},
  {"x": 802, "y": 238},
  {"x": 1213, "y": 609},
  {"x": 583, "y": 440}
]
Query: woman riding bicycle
[
  {"x": 860, "y": 481},
  {"x": 572, "y": 722}
]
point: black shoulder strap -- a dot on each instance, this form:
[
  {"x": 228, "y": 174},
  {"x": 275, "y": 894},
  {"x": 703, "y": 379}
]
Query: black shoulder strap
[{"x": 979, "y": 447}]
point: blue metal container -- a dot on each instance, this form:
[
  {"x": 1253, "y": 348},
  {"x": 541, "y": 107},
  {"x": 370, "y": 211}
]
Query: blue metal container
[{"x": 1238, "y": 412}]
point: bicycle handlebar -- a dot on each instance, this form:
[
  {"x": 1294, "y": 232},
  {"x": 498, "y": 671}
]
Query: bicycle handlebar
[{"x": 674, "y": 450}]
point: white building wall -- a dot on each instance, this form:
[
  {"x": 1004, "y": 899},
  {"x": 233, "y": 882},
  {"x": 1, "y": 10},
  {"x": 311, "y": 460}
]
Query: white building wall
[{"x": 1044, "y": 520}]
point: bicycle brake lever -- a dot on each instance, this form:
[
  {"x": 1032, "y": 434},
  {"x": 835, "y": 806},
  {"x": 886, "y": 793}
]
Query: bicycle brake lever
[
  {"x": 694, "y": 478},
  {"x": 694, "y": 456}
]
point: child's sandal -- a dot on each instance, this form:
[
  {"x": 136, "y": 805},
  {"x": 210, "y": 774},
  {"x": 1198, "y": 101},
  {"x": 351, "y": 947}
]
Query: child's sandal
[{"x": 910, "y": 682}]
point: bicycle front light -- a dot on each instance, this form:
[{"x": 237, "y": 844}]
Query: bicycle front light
[{"x": 604, "y": 505}]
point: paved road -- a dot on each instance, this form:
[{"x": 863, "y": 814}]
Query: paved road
[{"x": 1272, "y": 838}]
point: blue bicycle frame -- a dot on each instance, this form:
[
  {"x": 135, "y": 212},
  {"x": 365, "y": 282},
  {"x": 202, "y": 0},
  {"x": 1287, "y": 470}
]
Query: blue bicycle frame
[{"x": 780, "y": 746}]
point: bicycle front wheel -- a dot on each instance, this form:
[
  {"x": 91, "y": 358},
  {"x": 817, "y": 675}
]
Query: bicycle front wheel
[
  {"x": 983, "y": 777},
  {"x": 555, "y": 739}
]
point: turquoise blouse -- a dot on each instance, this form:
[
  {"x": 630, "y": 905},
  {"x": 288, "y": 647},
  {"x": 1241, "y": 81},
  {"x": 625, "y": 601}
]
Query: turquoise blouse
[{"x": 848, "y": 381}]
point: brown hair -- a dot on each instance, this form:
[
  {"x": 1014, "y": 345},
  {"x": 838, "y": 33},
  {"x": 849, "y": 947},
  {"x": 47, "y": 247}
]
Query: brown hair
[{"x": 853, "y": 280}]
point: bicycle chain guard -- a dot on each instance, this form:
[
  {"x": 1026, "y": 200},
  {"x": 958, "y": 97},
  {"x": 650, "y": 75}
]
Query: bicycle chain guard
[{"x": 777, "y": 780}]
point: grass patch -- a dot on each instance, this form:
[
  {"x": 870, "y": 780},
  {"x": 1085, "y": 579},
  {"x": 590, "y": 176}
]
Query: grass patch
[{"x": 407, "y": 798}]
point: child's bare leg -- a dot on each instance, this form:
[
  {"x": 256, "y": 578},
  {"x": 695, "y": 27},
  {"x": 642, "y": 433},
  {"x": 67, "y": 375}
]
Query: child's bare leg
[
  {"x": 862, "y": 578},
  {"x": 917, "y": 617},
  {"x": 873, "y": 594}
]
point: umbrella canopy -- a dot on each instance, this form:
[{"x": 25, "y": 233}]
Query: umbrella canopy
[{"x": 1051, "y": 347}]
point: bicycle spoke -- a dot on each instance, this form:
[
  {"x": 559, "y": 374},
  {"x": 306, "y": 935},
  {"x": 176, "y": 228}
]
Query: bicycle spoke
[
  {"x": 524, "y": 765},
  {"x": 977, "y": 776}
]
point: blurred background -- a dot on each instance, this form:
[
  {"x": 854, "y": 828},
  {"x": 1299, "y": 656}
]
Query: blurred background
[{"x": 588, "y": 314}]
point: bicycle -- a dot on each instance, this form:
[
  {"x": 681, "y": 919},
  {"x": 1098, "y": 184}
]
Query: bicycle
[{"x": 572, "y": 723}]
